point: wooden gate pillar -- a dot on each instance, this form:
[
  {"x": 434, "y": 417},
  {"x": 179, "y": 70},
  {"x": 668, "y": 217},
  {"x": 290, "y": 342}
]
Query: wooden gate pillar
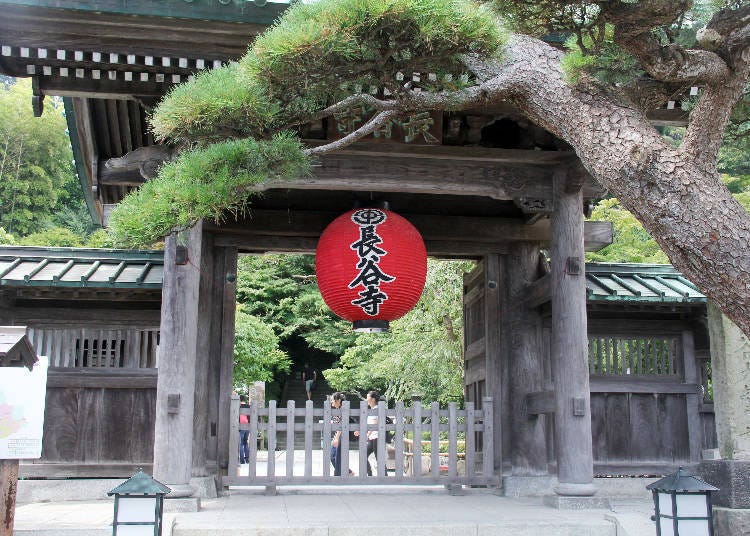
[
  {"x": 206, "y": 347},
  {"x": 523, "y": 346},
  {"x": 175, "y": 391},
  {"x": 222, "y": 359},
  {"x": 569, "y": 351}
]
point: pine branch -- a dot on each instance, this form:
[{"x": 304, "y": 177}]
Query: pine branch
[
  {"x": 368, "y": 128},
  {"x": 730, "y": 32},
  {"x": 633, "y": 24},
  {"x": 710, "y": 117}
]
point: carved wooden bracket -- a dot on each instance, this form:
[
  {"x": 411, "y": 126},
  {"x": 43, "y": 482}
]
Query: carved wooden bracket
[{"x": 144, "y": 160}]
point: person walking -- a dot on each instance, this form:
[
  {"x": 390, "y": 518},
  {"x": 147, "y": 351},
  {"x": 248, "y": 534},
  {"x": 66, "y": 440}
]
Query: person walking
[
  {"x": 372, "y": 435},
  {"x": 309, "y": 376},
  {"x": 244, "y": 434},
  {"x": 336, "y": 400}
]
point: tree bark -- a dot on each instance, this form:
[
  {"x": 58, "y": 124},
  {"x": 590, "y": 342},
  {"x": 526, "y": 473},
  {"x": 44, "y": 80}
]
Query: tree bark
[{"x": 677, "y": 194}]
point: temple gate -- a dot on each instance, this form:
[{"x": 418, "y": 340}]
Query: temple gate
[{"x": 484, "y": 184}]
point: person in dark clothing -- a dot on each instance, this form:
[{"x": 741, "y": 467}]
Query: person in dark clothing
[
  {"x": 309, "y": 375},
  {"x": 336, "y": 400}
]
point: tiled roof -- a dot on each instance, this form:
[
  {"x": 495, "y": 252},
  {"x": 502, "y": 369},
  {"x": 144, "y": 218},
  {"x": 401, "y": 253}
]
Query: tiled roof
[
  {"x": 117, "y": 268},
  {"x": 639, "y": 283},
  {"x": 81, "y": 268}
]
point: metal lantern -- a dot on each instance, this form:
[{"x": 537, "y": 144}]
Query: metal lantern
[
  {"x": 683, "y": 505},
  {"x": 139, "y": 506},
  {"x": 371, "y": 266}
]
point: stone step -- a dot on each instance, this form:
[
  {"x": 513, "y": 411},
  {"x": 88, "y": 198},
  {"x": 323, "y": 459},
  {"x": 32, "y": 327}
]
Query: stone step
[{"x": 340, "y": 512}]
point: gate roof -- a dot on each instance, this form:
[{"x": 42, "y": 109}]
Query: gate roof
[
  {"x": 80, "y": 268},
  {"x": 137, "y": 269},
  {"x": 639, "y": 283}
]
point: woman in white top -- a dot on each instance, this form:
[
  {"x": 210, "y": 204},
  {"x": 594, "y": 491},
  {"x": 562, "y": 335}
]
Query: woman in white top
[{"x": 372, "y": 435}]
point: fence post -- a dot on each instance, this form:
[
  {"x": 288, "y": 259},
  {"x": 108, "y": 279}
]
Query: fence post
[
  {"x": 308, "y": 437},
  {"x": 327, "y": 439},
  {"x": 469, "y": 445},
  {"x": 399, "y": 442},
  {"x": 488, "y": 452},
  {"x": 435, "y": 439},
  {"x": 452, "y": 440},
  {"x": 416, "y": 460},
  {"x": 271, "y": 439},
  {"x": 363, "y": 408},
  {"x": 253, "y": 439},
  {"x": 381, "y": 454},
  {"x": 290, "y": 405},
  {"x": 234, "y": 435},
  {"x": 344, "y": 439}
]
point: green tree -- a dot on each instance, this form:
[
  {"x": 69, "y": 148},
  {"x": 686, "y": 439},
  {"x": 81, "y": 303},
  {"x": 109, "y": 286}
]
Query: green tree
[
  {"x": 53, "y": 237},
  {"x": 36, "y": 171},
  {"x": 281, "y": 290},
  {"x": 320, "y": 56},
  {"x": 631, "y": 242},
  {"x": 257, "y": 356},
  {"x": 421, "y": 354},
  {"x": 6, "y": 239}
]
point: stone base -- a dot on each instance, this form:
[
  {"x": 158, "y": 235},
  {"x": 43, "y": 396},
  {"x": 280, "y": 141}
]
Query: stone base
[
  {"x": 624, "y": 487},
  {"x": 574, "y": 489},
  {"x": 576, "y": 503},
  {"x": 72, "y": 489},
  {"x": 529, "y": 486},
  {"x": 182, "y": 504},
  {"x": 732, "y": 477},
  {"x": 204, "y": 487},
  {"x": 731, "y": 521},
  {"x": 455, "y": 489}
]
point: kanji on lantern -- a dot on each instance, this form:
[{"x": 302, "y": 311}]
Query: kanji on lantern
[{"x": 371, "y": 266}]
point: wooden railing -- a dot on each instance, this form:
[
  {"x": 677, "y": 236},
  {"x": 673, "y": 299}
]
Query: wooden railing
[{"x": 456, "y": 447}]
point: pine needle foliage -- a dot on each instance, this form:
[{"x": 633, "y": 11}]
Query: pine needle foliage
[
  {"x": 316, "y": 54},
  {"x": 321, "y": 49},
  {"x": 611, "y": 64},
  {"x": 210, "y": 182},
  {"x": 214, "y": 106}
]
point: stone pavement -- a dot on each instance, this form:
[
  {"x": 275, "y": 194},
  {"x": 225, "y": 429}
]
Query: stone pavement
[{"x": 386, "y": 511}]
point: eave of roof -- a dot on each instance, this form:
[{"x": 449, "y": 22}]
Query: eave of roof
[
  {"x": 639, "y": 283},
  {"x": 80, "y": 268},
  {"x": 24, "y": 266},
  {"x": 241, "y": 11}
]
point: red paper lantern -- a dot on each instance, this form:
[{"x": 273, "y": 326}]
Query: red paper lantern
[{"x": 371, "y": 266}]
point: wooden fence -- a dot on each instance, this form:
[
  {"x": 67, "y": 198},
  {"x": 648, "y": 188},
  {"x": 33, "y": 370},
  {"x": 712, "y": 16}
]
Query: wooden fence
[{"x": 463, "y": 435}]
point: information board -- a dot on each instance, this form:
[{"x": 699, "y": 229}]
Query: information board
[{"x": 22, "y": 395}]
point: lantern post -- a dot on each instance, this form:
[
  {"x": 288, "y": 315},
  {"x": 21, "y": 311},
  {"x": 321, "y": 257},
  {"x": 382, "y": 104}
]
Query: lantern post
[
  {"x": 139, "y": 506},
  {"x": 682, "y": 504}
]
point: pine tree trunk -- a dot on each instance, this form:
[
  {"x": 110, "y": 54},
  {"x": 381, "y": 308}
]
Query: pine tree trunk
[{"x": 678, "y": 197}]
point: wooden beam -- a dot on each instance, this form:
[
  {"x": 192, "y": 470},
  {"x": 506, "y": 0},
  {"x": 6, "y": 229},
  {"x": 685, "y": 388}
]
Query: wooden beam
[
  {"x": 490, "y": 231},
  {"x": 633, "y": 384},
  {"x": 669, "y": 118},
  {"x": 568, "y": 345},
  {"x": 538, "y": 292},
  {"x": 104, "y": 32},
  {"x": 291, "y": 244},
  {"x": 462, "y": 153},
  {"x": 524, "y": 362},
  {"x": 495, "y": 173},
  {"x": 540, "y": 403},
  {"x": 61, "y": 377},
  {"x": 83, "y": 470},
  {"x": 175, "y": 392},
  {"x": 102, "y": 88}
]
